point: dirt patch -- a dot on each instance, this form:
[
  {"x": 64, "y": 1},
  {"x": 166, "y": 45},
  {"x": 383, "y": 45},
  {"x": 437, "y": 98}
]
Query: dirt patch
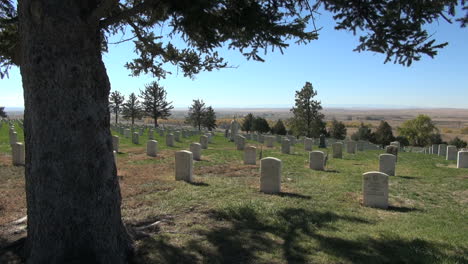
[
  {"x": 453, "y": 166},
  {"x": 461, "y": 197}
]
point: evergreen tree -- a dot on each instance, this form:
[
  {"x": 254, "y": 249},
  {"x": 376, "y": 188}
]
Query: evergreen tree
[
  {"x": 404, "y": 142},
  {"x": 209, "y": 118},
  {"x": 419, "y": 131},
  {"x": 364, "y": 133},
  {"x": 115, "y": 102},
  {"x": 132, "y": 109},
  {"x": 154, "y": 102},
  {"x": 457, "y": 142},
  {"x": 279, "y": 128},
  {"x": 307, "y": 120},
  {"x": 436, "y": 138},
  {"x": 260, "y": 125},
  {"x": 337, "y": 130},
  {"x": 383, "y": 135},
  {"x": 196, "y": 114},
  {"x": 3, "y": 114},
  {"x": 247, "y": 123}
]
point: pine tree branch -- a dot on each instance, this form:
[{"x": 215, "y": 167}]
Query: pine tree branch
[{"x": 126, "y": 13}]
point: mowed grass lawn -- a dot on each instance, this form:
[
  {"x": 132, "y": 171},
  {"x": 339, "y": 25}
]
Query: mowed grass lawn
[{"x": 318, "y": 218}]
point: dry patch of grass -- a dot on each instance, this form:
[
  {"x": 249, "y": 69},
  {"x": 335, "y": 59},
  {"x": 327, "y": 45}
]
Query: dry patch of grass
[
  {"x": 229, "y": 170},
  {"x": 12, "y": 194}
]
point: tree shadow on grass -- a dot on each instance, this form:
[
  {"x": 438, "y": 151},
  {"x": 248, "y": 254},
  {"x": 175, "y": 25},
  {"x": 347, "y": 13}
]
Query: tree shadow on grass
[
  {"x": 402, "y": 209},
  {"x": 292, "y": 195},
  {"x": 407, "y": 177},
  {"x": 291, "y": 235},
  {"x": 12, "y": 252},
  {"x": 198, "y": 184}
]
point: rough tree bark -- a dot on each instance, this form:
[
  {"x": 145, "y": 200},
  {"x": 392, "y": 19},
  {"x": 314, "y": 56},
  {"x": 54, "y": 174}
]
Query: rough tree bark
[{"x": 72, "y": 190}]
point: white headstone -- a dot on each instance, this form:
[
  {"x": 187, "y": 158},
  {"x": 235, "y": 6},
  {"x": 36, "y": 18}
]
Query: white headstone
[
  {"x": 18, "y": 153},
  {"x": 184, "y": 166},
  {"x": 250, "y": 155},
  {"x": 462, "y": 161},
  {"x": 13, "y": 138},
  {"x": 196, "y": 150},
  {"x": 240, "y": 142},
  {"x": 443, "y": 150},
  {"x": 375, "y": 189},
  {"x": 387, "y": 164},
  {"x": 127, "y": 133},
  {"x": 351, "y": 147},
  {"x": 270, "y": 175},
  {"x": 308, "y": 144},
  {"x": 204, "y": 142},
  {"x": 452, "y": 152},
  {"x": 135, "y": 138},
  {"x": 337, "y": 150},
  {"x": 152, "y": 148},
  {"x": 270, "y": 141},
  {"x": 317, "y": 160},
  {"x": 435, "y": 149},
  {"x": 286, "y": 146},
  {"x": 170, "y": 140}
]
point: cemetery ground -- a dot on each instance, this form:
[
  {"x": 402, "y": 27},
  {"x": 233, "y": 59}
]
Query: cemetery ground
[{"x": 317, "y": 218}]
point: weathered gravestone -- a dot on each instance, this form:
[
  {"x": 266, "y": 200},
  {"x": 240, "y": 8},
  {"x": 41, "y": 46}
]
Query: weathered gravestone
[
  {"x": 360, "y": 145},
  {"x": 387, "y": 164},
  {"x": 184, "y": 166},
  {"x": 270, "y": 141},
  {"x": 435, "y": 149},
  {"x": 204, "y": 142},
  {"x": 270, "y": 175},
  {"x": 337, "y": 150},
  {"x": 443, "y": 150},
  {"x": 177, "y": 136},
  {"x": 308, "y": 144},
  {"x": 286, "y": 146},
  {"x": 196, "y": 149},
  {"x": 13, "y": 138},
  {"x": 234, "y": 129},
  {"x": 127, "y": 133},
  {"x": 462, "y": 161},
  {"x": 152, "y": 148},
  {"x": 323, "y": 141},
  {"x": 250, "y": 155},
  {"x": 392, "y": 150},
  {"x": 240, "y": 142},
  {"x": 135, "y": 138},
  {"x": 261, "y": 138},
  {"x": 317, "y": 160},
  {"x": 375, "y": 189},
  {"x": 351, "y": 147},
  {"x": 18, "y": 154},
  {"x": 452, "y": 152},
  {"x": 170, "y": 140},
  {"x": 115, "y": 143}
]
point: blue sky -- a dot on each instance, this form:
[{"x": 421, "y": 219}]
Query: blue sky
[{"x": 341, "y": 77}]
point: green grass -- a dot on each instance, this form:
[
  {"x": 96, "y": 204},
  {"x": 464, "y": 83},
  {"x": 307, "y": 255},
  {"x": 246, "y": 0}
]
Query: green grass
[
  {"x": 223, "y": 218},
  {"x": 5, "y": 138}
]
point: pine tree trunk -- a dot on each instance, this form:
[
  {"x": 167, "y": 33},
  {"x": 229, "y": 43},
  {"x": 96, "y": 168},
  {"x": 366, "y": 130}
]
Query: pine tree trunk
[
  {"x": 155, "y": 122},
  {"x": 116, "y": 117},
  {"x": 72, "y": 191}
]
